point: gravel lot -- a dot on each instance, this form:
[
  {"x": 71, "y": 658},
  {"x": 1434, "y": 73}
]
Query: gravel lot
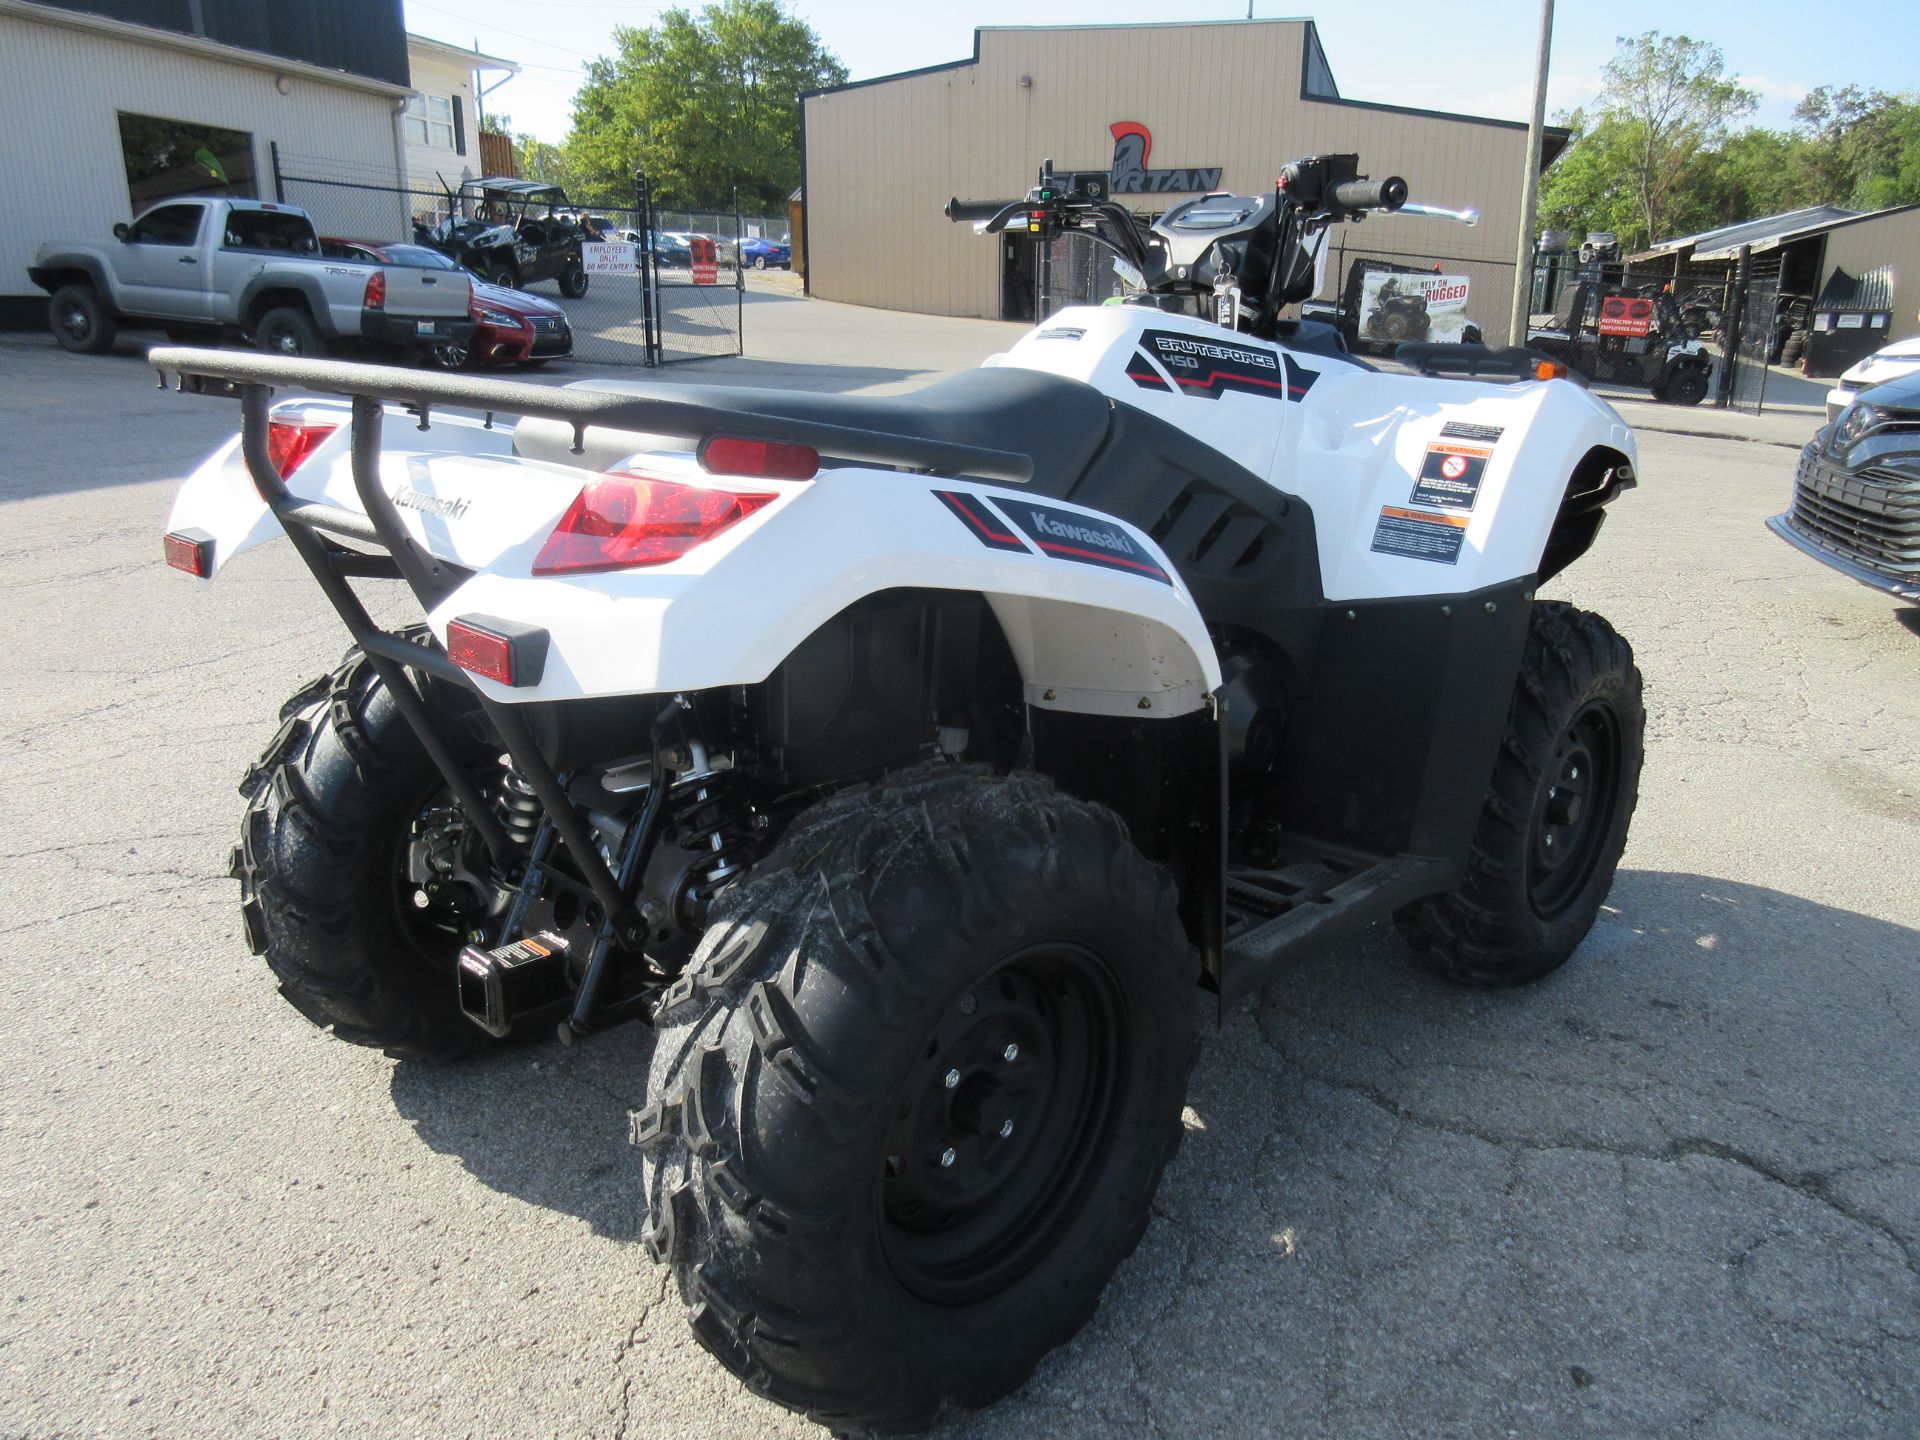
[{"x": 1674, "y": 1189}]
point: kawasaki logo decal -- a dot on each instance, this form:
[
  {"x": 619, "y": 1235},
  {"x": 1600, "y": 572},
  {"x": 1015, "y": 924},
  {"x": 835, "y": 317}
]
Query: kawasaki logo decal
[
  {"x": 1132, "y": 143},
  {"x": 1085, "y": 539}
]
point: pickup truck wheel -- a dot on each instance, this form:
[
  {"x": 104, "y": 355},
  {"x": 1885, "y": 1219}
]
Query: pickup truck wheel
[
  {"x": 573, "y": 281},
  {"x": 287, "y": 331},
  {"x": 1555, "y": 820},
  {"x": 911, "y": 1099},
  {"x": 81, "y": 321},
  {"x": 338, "y": 807}
]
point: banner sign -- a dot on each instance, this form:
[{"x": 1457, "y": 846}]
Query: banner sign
[
  {"x": 1625, "y": 315},
  {"x": 1396, "y": 307}
]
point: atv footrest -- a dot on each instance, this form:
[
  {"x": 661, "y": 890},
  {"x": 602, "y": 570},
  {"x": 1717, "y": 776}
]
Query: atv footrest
[{"x": 1313, "y": 897}]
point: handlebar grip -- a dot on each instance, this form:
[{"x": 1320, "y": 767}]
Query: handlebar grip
[
  {"x": 959, "y": 210},
  {"x": 1387, "y": 194}
]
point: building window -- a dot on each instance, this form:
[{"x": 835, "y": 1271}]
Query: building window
[
  {"x": 430, "y": 121},
  {"x": 178, "y": 157}
]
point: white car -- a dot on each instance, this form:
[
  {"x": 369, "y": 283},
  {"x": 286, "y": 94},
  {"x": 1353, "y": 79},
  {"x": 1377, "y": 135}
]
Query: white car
[{"x": 1899, "y": 359}]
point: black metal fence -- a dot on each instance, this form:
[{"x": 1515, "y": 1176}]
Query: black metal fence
[{"x": 644, "y": 303}]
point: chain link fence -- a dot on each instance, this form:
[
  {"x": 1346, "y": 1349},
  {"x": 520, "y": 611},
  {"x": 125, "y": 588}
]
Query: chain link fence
[{"x": 641, "y": 306}]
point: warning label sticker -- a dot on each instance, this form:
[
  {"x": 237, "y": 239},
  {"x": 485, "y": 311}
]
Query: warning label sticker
[
  {"x": 1467, "y": 430},
  {"x": 1418, "y": 535},
  {"x": 1450, "y": 476}
]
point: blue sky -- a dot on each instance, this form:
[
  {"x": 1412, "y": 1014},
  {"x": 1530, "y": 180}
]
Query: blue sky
[{"x": 1474, "y": 56}]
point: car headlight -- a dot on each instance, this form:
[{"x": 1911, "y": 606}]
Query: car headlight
[
  {"x": 500, "y": 318},
  {"x": 1854, "y": 422}
]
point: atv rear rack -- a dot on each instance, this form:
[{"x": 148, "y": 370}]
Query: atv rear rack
[{"x": 309, "y": 526}]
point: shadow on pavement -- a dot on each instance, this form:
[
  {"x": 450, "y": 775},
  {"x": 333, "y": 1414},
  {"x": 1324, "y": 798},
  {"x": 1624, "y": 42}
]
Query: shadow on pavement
[
  {"x": 1655, "y": 1183},
  {"x": 1909, "y": 616}
]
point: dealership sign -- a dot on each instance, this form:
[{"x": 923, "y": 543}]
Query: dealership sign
[{"x": 1132, "y": 144}]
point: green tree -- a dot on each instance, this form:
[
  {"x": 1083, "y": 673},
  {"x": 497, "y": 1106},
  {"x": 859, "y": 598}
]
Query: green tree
[
  {"x": 1676, "y": 102},
  {"x": 704, "y": 104}
]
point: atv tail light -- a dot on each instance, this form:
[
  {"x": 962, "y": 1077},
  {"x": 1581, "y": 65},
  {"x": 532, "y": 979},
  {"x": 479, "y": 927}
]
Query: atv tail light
[
  {"x": 620, "y": 521},
  {"x": 500, "y": 650},
  {"x": 759, "y": 459},
  {"x": 191, "y": 551},
  {"x": 376, "y": 296},
  {"x": 290, "y": 442},
  {"x": 1549, "y": 370}
]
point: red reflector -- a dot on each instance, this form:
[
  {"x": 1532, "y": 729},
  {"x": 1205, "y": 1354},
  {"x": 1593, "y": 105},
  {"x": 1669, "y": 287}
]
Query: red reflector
[
  {"x": 619, "y": 521},
  {"x": 376, "y": 296},
  {"x": 480, "y": 651},
  {"x": 290, "y": 442},
  {"x": 761, "y": 459},
  {"x": 191, "y": 551}
]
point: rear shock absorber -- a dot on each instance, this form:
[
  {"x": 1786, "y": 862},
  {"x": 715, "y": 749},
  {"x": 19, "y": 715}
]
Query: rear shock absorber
[
  {"x": 707, "y": 842},
  {"x": 516, "y": 806}
]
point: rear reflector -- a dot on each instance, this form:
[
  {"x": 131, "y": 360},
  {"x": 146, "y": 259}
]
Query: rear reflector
[
  {"x": 290, "y": 442},
  {"x": 191, "y": 551},
  {"x": 501, "y": 650},
  {"x": 621, "y": 521},
  {"x": 759, "y": 459}
]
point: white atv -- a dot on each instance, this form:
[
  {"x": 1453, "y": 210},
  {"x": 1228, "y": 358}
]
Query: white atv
[{"x": 907, "y": 762}]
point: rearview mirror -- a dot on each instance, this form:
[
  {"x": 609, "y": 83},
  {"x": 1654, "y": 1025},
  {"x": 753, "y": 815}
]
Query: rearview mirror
[{"x": 121, "y": 231}]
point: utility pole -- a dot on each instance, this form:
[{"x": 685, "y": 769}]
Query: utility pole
[{"x": 1530, "y": 189}]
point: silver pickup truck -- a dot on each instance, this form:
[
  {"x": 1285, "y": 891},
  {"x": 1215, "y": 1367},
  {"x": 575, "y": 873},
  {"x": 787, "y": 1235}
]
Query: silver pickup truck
[{"x": 209, "y": 264}]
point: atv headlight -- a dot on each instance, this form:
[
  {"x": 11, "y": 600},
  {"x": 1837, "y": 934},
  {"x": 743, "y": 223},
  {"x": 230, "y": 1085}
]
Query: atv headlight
[
  {"x": 1854, "y": 423},
  {"x": 500, "y": 318}
]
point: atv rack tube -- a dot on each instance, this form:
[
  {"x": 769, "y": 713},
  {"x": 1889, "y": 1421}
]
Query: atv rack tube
[
  {"x": 308, "y": 525},
  {"x": 1439, "y": 359}
]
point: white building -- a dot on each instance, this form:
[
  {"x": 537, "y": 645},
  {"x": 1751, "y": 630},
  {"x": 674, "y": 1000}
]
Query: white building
[
  {"x": 103, "y": 115},
  {"x": 440, "y": 127}
]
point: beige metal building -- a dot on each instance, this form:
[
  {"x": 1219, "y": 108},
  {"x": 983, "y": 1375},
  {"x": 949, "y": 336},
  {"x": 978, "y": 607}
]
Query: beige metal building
[{"x": 1184, "y": 108}]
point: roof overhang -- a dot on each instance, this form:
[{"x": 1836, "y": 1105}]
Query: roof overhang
[
  {"x": 195, "y": 45},
  {"x": 474, "y": 59}
]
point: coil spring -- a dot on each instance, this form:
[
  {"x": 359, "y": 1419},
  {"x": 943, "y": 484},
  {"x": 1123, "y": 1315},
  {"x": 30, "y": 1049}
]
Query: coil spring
[
  {"x": 516, "y": 806},
  {"x": 714, "y": 827}
]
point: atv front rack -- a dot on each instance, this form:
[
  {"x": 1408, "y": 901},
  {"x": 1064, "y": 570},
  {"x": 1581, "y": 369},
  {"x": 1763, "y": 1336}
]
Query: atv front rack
[
  {"x": 311, "y": 527},
  {"x": 1438, "y": 360}
]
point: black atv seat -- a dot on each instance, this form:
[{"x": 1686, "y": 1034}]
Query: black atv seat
[{"x": 1060, "y": 423}]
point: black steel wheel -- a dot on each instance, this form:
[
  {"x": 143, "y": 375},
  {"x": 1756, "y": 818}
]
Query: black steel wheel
[
  {"x": 1001, "y": 1123},
  {"x": 80, "y": 320},
  {"x": 574, "y": 281},
  {"x": 287, "y": 331},
  {"x": 1573, "y": 809},
  {"x": 910, "y": 1102},
  {"x": 357, "y": 878},
  {"x": 1686, "y": 386},
  {"x": 1555, "y": 821}
]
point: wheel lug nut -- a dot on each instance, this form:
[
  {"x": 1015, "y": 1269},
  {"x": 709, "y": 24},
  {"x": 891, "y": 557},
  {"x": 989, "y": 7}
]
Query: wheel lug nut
[
  {"x": 1573, "y": 773},
  {"x": 1549, "y": 839},
  {"x": 1553, "y": 792},
  {"x": 1011, "y": 1053},
  {"x": 947, "y": 1157},
  {"x": 953, "y": 1079},
  {"x": 1006, "y": 1128}
]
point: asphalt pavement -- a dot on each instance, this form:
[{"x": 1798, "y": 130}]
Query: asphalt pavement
[{"x": 1674, "y": 1189}]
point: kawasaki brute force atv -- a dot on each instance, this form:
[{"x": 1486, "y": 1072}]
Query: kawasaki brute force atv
[{"x": 905, "y": 763}]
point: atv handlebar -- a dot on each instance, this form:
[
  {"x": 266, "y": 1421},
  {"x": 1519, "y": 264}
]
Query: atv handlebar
[
  {"x": 1387, "y": 194},
  {"x": 978, "y": 210}
]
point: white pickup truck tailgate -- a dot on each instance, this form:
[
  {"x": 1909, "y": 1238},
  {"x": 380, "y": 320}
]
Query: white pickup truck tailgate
[{"x": 436, "y": 293}]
